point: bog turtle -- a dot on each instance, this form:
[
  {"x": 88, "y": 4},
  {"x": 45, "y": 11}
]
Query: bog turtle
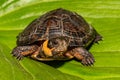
[{"x": 57, "y": 35}]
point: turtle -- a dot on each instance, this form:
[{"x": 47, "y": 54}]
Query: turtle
[{"x": 59, "y": 34}]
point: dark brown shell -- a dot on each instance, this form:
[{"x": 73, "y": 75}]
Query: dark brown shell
[{"x": 58, "y": 23}]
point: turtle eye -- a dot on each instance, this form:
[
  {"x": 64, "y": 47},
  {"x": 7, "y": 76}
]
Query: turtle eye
[
  {"x": 52, "y": 43},
  {"x": 55, "y": 42}
]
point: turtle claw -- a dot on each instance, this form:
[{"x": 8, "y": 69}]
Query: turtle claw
[
  {"x": 20, "y": 51},
  {"x": 17, "y": 54},
  {"x": 84, "y": 56},
  {"x": 88, "y": 60}
]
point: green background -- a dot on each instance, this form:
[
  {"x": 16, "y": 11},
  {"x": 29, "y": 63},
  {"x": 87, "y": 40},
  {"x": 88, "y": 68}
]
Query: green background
[{"x": 104, "y": 15}]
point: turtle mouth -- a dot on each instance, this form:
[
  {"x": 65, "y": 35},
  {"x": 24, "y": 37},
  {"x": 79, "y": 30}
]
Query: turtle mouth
[{"x": 58, "y": 52}]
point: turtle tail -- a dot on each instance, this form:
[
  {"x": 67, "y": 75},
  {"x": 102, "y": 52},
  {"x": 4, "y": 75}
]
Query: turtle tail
[{"x": 98, "y": 37}]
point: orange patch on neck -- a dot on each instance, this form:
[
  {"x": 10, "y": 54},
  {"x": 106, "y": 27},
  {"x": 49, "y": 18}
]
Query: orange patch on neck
[{"x": 47, "y": 51}]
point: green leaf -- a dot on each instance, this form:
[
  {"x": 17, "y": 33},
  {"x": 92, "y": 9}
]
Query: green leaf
[{"x": 104, "y": 15}]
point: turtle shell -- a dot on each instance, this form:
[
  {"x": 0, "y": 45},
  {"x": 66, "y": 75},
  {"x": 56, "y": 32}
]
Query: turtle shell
[{"x": 58, "y": 23}]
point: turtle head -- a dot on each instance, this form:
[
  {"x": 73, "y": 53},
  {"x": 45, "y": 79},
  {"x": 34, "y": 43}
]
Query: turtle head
[
  {"x": 59, "y": 44},
  {"x": 55, "y": 46}
]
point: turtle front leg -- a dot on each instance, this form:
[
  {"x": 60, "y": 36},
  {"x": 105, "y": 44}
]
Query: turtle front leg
[
  {"x": 20, "y": 51},
  {"x": 81, "y": 54}
]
